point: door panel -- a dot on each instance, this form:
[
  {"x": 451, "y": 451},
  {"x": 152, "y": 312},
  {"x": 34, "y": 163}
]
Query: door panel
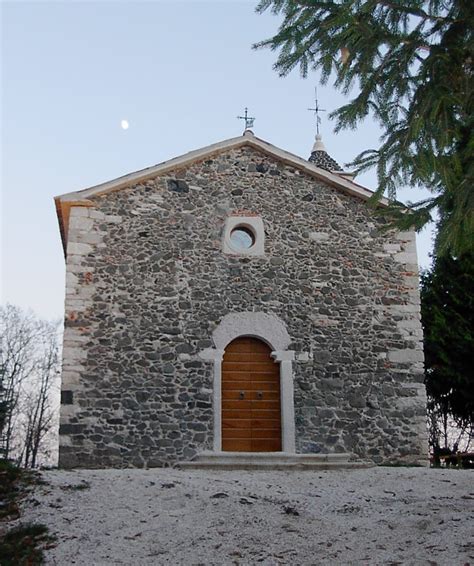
[
  {"x": 239, "y": 385},
  {"x": 236, "y": 394},
  {"x": 274, "y": 405},
  {"x": 236, "y": 404},
  {"x": 248, "y": 367},
  {"x": 251, "y": 413},
  {"x": 266, "y": 445},
  {"x": 266, "y": 376},
  {"x": 237, "y": 376},
  {"x": 236, "y": 445},
  {"x": 249, "y": 357},
  {"x": 248, "y": 344},
  {"x": 242, "y": 424},
  {"x": 271, "y": 424}
]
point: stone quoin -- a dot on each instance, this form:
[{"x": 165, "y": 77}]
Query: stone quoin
[{"x": 168, "y": 266}]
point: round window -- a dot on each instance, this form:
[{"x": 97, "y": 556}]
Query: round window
[{"x": 242, "y": 238}]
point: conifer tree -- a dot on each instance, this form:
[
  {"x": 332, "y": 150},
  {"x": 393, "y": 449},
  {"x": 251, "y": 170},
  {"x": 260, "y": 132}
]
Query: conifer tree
[
  {"x": 410, "y": 63},
  {"x": 447, "y": 308}
]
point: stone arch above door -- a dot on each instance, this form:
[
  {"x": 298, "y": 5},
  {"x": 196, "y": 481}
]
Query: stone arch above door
[{"x": 267, "y": 327}]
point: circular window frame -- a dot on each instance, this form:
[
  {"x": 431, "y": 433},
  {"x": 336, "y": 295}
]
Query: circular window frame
[{"x": 253, "y": 224}]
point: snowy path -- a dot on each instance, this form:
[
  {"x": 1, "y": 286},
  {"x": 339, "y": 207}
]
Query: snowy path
[{"x": 161, "y": 516}]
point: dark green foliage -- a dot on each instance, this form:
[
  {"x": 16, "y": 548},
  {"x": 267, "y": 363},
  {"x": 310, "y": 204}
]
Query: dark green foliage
[
  {"x": 9, "y": 472},
  {"x": 9, "y": 479},
  {"x": 3, "y": 404},
  {"x": 22, "y": 545},
  {"x": 14, "y": 482},
  {"x": 447, "y": 308},
  {"x": 411, "y": 65},
  {"x": 3, "y": 419},
  {"x": 3, "y": 413},
  {"x": 77, "y": 487}
]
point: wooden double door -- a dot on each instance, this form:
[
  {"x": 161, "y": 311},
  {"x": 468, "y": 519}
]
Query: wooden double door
[{"x": 251, "y": 412}]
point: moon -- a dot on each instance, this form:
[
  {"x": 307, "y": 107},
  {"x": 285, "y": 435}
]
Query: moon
[{"x": 124, "y": 124}]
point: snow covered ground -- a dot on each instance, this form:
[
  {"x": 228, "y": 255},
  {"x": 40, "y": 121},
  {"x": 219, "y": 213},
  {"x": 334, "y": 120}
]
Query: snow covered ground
[{"x": 166, "y": 516}]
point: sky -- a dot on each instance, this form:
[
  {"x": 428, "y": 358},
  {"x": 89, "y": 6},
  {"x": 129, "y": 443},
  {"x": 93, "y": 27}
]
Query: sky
[{"x": 179, "y": 72}]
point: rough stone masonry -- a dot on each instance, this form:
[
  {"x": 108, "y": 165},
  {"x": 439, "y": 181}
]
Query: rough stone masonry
[{"x": 148, "y": 283}]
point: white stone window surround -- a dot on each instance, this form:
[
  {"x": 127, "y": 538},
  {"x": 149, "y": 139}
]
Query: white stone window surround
[
  {"x": 271, "y": 330},
  {"x": 252, "y": 223}
]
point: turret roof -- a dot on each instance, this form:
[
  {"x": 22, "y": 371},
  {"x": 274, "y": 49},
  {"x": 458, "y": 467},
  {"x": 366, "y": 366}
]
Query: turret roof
[{"x": 320, "y": 157}]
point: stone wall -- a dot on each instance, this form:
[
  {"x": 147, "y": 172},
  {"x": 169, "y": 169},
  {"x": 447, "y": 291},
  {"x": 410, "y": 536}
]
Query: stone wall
[{"x": 148, "y": 282}]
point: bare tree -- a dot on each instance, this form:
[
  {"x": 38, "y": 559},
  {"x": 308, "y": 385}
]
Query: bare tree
[
  {"x": 17, "y": 335},
  {"x": 447, "y": 434},
  {"x": 37, "y": 404},
  {"x": 29, "y": 366},
  {"x": 3, "y": 414}
]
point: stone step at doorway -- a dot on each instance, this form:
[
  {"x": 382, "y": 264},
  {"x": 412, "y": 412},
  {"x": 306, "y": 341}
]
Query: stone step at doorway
[{"x": 273, "y": 461}]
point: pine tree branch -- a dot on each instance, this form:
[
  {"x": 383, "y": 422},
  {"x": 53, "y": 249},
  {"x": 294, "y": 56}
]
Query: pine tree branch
[{"x": 412, "y": 11}]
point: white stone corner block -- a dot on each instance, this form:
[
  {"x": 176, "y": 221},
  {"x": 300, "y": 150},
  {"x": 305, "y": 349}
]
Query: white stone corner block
[
  {"x": 96, "y": 214},
  {"x": 92, "y": 238},
  {"x": 406, "y": 257},
  {"x": 407, "y": 236},
  {"x": 283, "y": 356},
  {"x": 79, "y": 211},
  {"x": 71, "y": 354},
  {"x": 81, "y": 223},
  {"x": 71, "y": 279},
  {"x": 74, "y": 248},
  {"x": 405, "y": 356}
]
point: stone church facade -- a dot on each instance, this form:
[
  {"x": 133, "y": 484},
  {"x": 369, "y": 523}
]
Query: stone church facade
[{"x": 237, "y": 298}]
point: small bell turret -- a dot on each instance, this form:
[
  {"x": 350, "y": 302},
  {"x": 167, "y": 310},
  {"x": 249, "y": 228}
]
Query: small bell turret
[{"x": 320, "y": 157}]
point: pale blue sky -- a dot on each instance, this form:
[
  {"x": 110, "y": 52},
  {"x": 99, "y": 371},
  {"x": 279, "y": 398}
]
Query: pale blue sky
[{"x": 179, "y": 72}]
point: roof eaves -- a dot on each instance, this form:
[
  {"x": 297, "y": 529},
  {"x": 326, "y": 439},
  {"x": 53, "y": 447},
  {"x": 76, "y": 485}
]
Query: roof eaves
[
  {"x": 333, "y": 178},
  {"x": 154, "y": 170}
]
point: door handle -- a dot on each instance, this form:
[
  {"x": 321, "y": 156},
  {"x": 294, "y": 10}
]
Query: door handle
[
  {"x": 260, "y": 394},
  {"x": 242, "y": 394}
]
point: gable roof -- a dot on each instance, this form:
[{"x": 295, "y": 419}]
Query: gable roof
[{"x": 81, "y": 197}]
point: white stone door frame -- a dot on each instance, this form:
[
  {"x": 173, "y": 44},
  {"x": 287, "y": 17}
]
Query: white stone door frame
[{"x": 269, "y": 329}]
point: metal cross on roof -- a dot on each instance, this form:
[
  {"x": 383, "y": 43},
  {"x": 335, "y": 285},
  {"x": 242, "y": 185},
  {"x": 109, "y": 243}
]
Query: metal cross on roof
[
  {"x": 248, "y": 120},
  {"x": 317, "y": 110}
]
